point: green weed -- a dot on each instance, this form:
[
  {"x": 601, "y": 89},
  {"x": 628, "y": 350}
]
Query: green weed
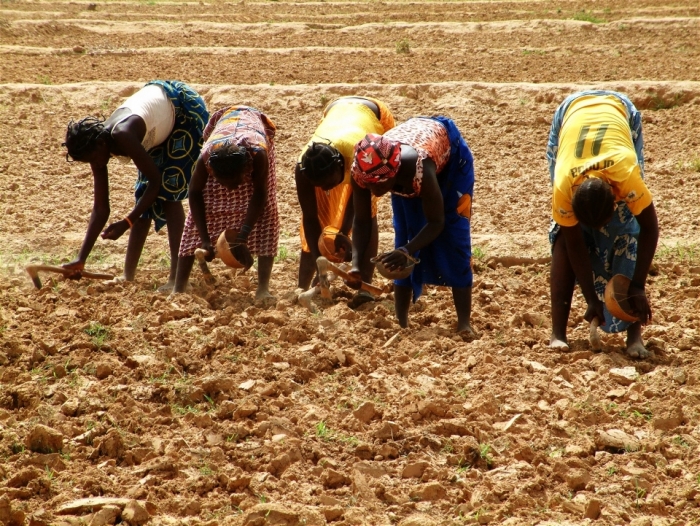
[
  {"x": 582, "y": 16},
  {"x": 478, "y": 253},
  {"x": 282, "y": 254},
  {"x": 611, "y": 471},
  {"x": 98, "y": 333},
  {"x": 403, "y": 46},
  {"x": 43, "y": 79},
  {"x": 205, "y": 470},
  {"x": 323, "y": 431},
  {"x": 485, "y": 454}
]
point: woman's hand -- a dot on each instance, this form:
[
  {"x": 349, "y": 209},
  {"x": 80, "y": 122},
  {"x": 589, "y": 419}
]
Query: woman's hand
[
  {"x": 243, "y": 255},
  {"x": 595, "y": 310},
  {"x": 394, "y": 260},
  {"x": 639, "y": 303},
  {"x": 343, "y": 247},
  {"x": 115, "y": 230},
  {"x": 354, "y": 280},
  {"x": 209, "y": 249},
  {"x": 76, "y": 266}
]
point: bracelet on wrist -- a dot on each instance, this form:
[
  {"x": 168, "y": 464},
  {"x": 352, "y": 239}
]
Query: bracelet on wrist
[
  {"x": 404, "y": 250},
  {"x": 245, "y": 230},
  {"x": 129, "y": 221}
]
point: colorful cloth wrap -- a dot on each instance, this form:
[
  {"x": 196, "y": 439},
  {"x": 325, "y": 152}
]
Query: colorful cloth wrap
[
  {"x": 447, "y": 260},
  {"x": 377, "y": 159},
  {"x": 177, "y": 155},
  {"x": 613, "y": 248}
]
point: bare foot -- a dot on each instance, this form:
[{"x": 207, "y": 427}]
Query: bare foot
[
  {"x": 637, "y": 350},
  {"x": 167, "y": 288},
  {"x": 466, "y": 331},
  {"x": 117, "y": 280},
  {"x": 594, "y": 337},
  {"x": 264, "y": 298},
  {"x": 305, "y": 298},
  {"x": 557, "y": 344}
]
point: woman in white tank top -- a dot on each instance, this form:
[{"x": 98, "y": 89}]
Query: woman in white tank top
[{"x": 160, "y": 129}]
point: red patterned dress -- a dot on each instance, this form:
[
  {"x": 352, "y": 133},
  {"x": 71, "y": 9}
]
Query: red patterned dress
[{"x": 227, "y": 208}]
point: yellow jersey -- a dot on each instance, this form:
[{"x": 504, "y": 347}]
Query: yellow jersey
[{"x": 596, "y": 141}]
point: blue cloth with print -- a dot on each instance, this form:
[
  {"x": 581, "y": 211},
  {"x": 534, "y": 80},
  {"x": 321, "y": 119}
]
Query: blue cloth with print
[
  {"x": 447, "y": 260},
  {"x": 177, "y": 155}
]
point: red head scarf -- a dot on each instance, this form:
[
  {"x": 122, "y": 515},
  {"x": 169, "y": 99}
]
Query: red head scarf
[{"x": 377, "y": 159}]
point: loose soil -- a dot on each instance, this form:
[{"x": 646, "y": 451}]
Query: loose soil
[{"x": 206, "y": 408}]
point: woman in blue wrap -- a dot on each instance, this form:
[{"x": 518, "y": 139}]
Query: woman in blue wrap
[
  {"x": 429, "y": 170},
  {"x": 160, "y": 129}
]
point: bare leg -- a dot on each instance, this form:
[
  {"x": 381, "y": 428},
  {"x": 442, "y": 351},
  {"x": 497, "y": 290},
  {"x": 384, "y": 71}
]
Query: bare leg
[
  {"x": 307, "y": 270},
  {"x": 462, "y": 297},
  {"x": 562, "y": 281},
  {"x": 184, "y": 268},
  {"x": 264, "y": 271},
  {"x": 137, "y": 238},
  {"x": 175, "y": 220},
  {"x": 635, "y": 344},
  {"x": 402, "y": 302}
]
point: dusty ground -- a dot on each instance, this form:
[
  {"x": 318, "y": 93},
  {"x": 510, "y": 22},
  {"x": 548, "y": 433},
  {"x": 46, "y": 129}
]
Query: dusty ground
[{"x": 209, "y": 410}]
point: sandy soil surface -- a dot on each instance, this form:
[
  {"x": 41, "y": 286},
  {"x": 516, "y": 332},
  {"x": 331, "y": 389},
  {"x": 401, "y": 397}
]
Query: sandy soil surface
[{"x": 209, "y": 409}]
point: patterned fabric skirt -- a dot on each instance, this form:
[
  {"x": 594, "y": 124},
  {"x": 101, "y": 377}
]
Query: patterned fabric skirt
[
  {"x": 612, "y": 250},
  {"x": 177, "y": 155},
  {"x": 228, "y": 208}
]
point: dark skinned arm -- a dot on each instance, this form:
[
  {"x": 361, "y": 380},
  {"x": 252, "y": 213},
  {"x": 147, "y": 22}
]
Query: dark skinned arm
[
  {"x": 98, "y": 217},
  {"x": 434, "y": 210},
  {"x": 361, "y": 231},
  {"x": 646, "y": 247},
  {"x": 127, "y": 136},
  {"x": 199, "y": 179},
  {"x": 349, "y": 216},
  {"x": 306, "y": 193},
  {"x": 581, "y": 265},
  {"x": 256, "y": 206}
]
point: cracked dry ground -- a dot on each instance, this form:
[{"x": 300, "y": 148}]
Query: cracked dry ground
[{"x": 208, "y": 409}]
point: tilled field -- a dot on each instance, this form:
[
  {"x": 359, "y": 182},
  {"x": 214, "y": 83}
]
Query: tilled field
[{"x": 206, "y": 408}]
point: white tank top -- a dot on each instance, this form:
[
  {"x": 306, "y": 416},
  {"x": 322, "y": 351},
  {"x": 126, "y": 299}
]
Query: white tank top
[{"x": 152, "y": 104}]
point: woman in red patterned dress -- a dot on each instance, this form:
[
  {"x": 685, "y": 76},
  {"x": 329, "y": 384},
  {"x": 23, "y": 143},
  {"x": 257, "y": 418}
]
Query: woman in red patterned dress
[{"x": 234, "y": 185}]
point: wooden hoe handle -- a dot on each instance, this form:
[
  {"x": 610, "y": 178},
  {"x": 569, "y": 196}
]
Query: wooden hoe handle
[{"x": 33, "y": 271}]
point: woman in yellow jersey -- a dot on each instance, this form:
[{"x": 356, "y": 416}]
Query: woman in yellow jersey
[
  {"x": 603, "y": 218},
  {"x": 323, "y": 178}
]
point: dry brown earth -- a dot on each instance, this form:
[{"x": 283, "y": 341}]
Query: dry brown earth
[{"x": 208, "y": 409}]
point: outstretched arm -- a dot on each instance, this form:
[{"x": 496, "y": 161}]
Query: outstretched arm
[
  {"x": 199, "y": 179},
  {"x": 581, "y": 264},
  {"x": 434, "y": 211},
  {"x": 361, "y": 227},
  {"x": 648, "y": 238},
  {"x": 256, "y": 205},
  {"x": 98, "y": 217},
  {"x": 127, "y": 136}
]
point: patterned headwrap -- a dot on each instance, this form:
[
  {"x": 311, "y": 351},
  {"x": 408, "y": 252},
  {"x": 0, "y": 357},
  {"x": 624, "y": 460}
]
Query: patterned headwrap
[{"x": 377, "y": 159}]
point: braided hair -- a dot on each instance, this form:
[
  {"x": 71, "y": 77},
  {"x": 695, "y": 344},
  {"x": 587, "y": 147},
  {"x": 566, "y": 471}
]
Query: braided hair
[
  {"x": 319, "y": 160},
  {"x": 593, "y": 202},
  {"x": 228, "y": 160},
  {"x": 82, "y": 136}
]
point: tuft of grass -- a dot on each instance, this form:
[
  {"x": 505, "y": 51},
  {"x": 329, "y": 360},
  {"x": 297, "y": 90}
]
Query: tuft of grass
[
  {"x": 403, "y": 46},
  {"x": 98, "y": 332},
  {"x": 205, "y": 470},
  {"x": 43, "y": 79},
  {"x": 694, "y": 164},
  {"x": 485, "y": 454},
  {"x": 582, "y": 16},
  {"x": 282, "y": 254},
  {"x": 323, "y": 431},
  {"x": 658, "y": 102},
  {"x": 324, "y": 101},
  {"x": 611, "y": 471},
  {"x": 478, "y": 253}
]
